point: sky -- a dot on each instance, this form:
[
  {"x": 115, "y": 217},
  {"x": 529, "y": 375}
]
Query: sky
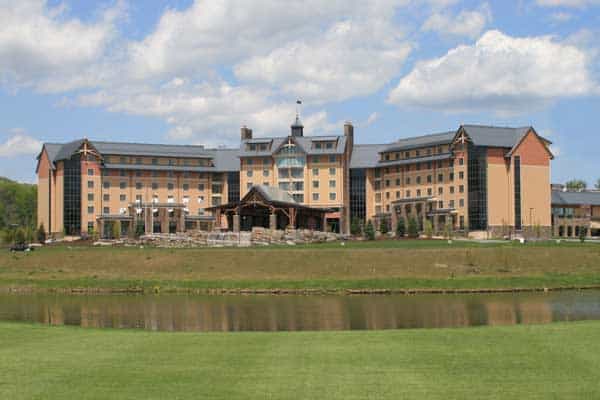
[{"x": 194, "y": 72}]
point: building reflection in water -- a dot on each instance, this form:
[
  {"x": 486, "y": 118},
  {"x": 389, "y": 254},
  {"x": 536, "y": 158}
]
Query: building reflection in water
[{"x": 296, "y": 313}]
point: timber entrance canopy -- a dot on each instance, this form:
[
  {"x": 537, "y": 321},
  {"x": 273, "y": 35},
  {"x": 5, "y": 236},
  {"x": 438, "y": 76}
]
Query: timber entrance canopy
[{"x": 270, "y": 207}]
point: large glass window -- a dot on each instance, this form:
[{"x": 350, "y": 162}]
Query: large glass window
[
  {"x": 517, "y": 190},
  {"x": 72, "y": 195},
  {"x": 477, "y": 178}
]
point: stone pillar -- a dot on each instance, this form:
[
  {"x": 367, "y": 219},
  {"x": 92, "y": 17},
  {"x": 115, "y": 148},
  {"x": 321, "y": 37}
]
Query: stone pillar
[
  {"x": 588, "y": 231},
  {"x": 236, "y": 222},
  {"x": 148, "y": 220},
  {"x": 343, "y": 229},
  {"x": 101, "y": 228},
  {"x": 394, "y": 219},
  {"x": 180, "y": 220},
  {"x": 164, "y": 220},
  {"x": 273, "y": 221},
  {"x": 324, "y": 222},
  {"x": 436, "y": 224}
]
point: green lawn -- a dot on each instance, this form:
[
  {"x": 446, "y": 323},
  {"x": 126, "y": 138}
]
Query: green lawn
[{"x": 556, "y": 361}]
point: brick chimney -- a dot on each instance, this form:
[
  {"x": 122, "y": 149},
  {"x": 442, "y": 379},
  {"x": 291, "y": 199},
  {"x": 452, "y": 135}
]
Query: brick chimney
[
  {"x": 246, "y": 133},
  {"x": 349, "y": 133}
]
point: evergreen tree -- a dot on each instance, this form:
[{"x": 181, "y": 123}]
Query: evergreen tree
[
  {"x": 413, "y": 229},
  {"x": 355, "y": 226},
  {"x": 400, "y": 228},
  {"x": 428, "y": 229},
  {"x": 370, "y": 231},
  {"x": 116, "y": 230},
  {"x": 20, "y": 237},
  {"x": 383, "y": 226},
  {"x": 41, "y": 234}
]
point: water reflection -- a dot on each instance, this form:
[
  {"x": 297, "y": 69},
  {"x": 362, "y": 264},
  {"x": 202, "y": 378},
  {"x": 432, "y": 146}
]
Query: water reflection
[{"x": 296, "y": 313}]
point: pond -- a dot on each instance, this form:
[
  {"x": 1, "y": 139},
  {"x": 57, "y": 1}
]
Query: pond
[{"x": 299, "y": 313}]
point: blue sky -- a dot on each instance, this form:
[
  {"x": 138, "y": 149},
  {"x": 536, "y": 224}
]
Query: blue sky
[{"x": 193, "y": 72}]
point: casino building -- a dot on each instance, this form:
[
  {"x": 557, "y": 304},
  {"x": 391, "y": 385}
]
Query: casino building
[{"x": 495, "y": 180}]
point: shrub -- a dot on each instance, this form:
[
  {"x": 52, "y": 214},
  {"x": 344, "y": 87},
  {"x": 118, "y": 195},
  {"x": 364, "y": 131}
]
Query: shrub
[
  {"x": 383, "y": 226},
  {"x": 41, "y": 234},
  {"x": 400, "y": 228},
  {"x": 370, "y": 231},
  {"x": 582, "y": 234},
  {"x": 413, "y": 229},
  {"x": 428, "y": 229},
  {"x": 140, "y": 229},
  {"x": 20, "y": 236},
  {"x": 355, "y": 226}
]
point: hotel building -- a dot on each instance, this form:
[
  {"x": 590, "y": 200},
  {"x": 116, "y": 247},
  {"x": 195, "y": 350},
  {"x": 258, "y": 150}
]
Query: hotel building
[{"x": 477, "y": 178}]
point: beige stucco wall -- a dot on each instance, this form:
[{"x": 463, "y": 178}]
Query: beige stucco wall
[
  {"x": 535, "y": 195},
  {"x": 43, "y": 195}
]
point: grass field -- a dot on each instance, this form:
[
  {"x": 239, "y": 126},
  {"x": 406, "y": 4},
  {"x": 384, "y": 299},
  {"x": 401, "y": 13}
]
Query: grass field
[
  {"x": 357, "y": 265},
  {"x": 556, "y": 361}
]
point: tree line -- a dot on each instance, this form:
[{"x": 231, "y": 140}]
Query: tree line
[
  {"x": 18, "y": 210},
  {"x": 580, "y": 184}
]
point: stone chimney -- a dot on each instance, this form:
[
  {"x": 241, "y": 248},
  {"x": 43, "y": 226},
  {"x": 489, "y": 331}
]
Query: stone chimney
[
  {"x": 349, "y": 133},
  {"x": 246, "y": 133}
]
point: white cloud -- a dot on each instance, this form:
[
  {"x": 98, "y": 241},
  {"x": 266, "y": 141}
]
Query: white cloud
[
  {"x": 499, "y": 72},
  {"x": 19, "y": 144},
  {"x": 374, "y": 116},
  {"x": 352, "y": 58},
  {"x": 561, "y": 17},
  {"x": 567, "y": 3},
  {"x": 39, "y": 47},
  {"x": 466, "y": 23},
  {"x": 554, "y": 149}
]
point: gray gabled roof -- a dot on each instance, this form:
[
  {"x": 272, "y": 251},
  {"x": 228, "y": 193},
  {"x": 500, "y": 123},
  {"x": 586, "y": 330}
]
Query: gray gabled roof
[
  {"x": 432, "y": 158},
  {"x": 304, "y": 142},
  {"x": 365, "y": 155},
  {"x": 146, "y": 149},
  {"x": 274, "y": 194},
  {"x": 560, "y": 198},
  {"x": 495, "y": 136},
  {"x": 434, "y": 139}
]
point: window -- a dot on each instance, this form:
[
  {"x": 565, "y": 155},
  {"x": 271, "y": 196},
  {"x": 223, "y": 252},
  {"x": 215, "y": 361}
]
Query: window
[
  {"x": 418, "y": 192},
  {"x": 155, "y": 161},
  {"x": 298, "y": 197},
  {"x": 249, "y": 173},
  {"x": 429, "y": 192},
  {"x": 170, "y": 186},
  {"x": 138, "y": 160},
  {"x": 154, "y": 186},
  {"x": 408, "y": 180},
  {"x": 461, "y": 202},
  {"x": 397, "y": 194},
  {"x": 440, "y": 204},
  {"x": 122, "y": 185},
  {"x": 90, "y": 209},
  {"x": 429, "y": 165},
  {"x": 106, "y": 210},
  {"x": 265, "y": 173},
  {"x": 216, "y": 188},
  {"x": 154, "y": 174},
  {"x": 440, "y": 177},
  {"x": 387, "y": 183},
  {"x": 417, "y": 153},
  {"x": 171, "y": 161},
  {"x": 90, "y": 184},
  {"x": 315, "y": 159},
  {"x": 122, "y": 197},
  {"x": 451, "y": 204},
  {"x": 123, "y": 160},
  {"x": 378, "y": 197},
  {"x": 332, "y": 184},
  {"x": 249, "y": 161},
  {"x": 122, "y": 172},
  {"x": 329, "y": 145},
  {"x": 90, "y": 196},
  {"x": 249, "y": 185},
  {"x": 377, "y": 173},
  {"x": 186, "y": 187},
  {"x": 332, "y": 196},
  {"x": 439, "y": 164},
  {"x": 138, "y": 173},
  {"x": 186, "y": 174},
  {"x": 170, "y": 174},
  {"x": 106, "y": 197},
  {"x": 317, "y": 145},
  {"x": 90, "y": 172},
  {"x": 428, "y": 178},
  {"x": 408, "y": 194},
  {"x": 315, "y": 196},
  {"x": 461, "y": 189},
  {"x": 387, "y": 195},
  {"x": 451, "y": 189},
  {"x": 315, "y": 171},
  {"x": 406, "y": 154},
  {"x": 331, "y": 171},
  {"x": 201, "y": 187},
  {"x": 440, "y": 190},
  {"x": 461, "y": 175},
  {"x": 139, "y": 185},
  {"x": 138, "y": 198},
  {"x": 315, "y": 184},
  {"x": 397, "y": 181},
  {"x": 377, "y": 185},
  {"x": 418, "y": 166},
  {"x": 451, "y": 176},
  {"x": 461, "y": 161},
  {"x": 418, "y": 180},
  {"x": 332, "y": 158},
  {"x": 106, "y": 185}
]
